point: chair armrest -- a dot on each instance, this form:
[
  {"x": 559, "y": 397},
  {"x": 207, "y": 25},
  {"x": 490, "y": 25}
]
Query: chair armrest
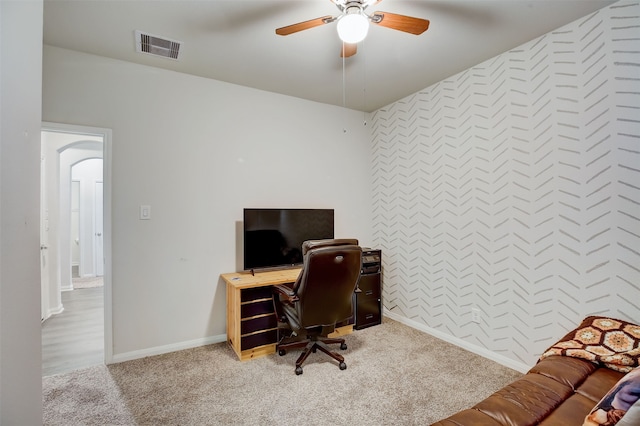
[{"x": 284, "y": 290}]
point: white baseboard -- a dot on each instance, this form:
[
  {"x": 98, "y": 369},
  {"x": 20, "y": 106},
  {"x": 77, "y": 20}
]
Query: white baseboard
[
  {"x": 159, "y": 350},
  {"x": 57, "y": 310},
  {"x": 483, "y": 352},
  {"x": 51, "y": 312}
]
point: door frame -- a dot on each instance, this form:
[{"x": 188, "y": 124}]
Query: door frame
[
  {"x": 44, "y": 241},
  {"x": 107, "y": 180}
]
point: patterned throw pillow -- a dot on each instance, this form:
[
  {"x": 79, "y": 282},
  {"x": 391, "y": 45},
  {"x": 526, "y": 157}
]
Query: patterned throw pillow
[
  {"x": 619, "y": 405},
  {"x": 610, "y": 342}
]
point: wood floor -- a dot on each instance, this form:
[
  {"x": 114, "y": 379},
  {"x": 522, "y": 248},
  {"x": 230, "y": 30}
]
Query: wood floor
[{"x": 74, "y": 339}]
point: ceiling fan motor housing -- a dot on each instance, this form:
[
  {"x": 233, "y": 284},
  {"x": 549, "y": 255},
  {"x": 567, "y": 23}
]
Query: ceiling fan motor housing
[{"x": 352, "y": 7}]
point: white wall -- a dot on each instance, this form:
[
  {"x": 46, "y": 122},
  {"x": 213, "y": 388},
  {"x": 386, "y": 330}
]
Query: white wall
[
  {"x": 514, "y": 189},
  {"x": 198, "y": 151},
  {"x": 20, "y": 120}
]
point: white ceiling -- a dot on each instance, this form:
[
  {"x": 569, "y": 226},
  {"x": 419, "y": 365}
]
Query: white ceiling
[{"x": 235, "y": 41}]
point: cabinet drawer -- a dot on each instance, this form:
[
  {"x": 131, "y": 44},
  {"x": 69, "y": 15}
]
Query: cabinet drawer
[
  {"x": 368, "y": 311},
  {"x": 256, "y": 308},
  {"x": 370, "y": 285},
  {"x": 369, "y": 293},
  {"x": 253, "y": 340},
  {"x": 367, "y": 319},
  {"x": 259, "y": 323}
]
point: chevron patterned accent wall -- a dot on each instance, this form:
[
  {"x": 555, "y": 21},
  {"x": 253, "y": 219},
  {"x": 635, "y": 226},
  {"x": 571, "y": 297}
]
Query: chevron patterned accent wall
[{"x": 513, "y": 189}]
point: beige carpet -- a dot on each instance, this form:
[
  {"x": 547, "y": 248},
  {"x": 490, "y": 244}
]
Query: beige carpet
[
  {"x": 396, "y": 375},
  {"x": 89, "y": 282}
]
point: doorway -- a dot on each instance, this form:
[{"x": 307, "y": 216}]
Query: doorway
[{"x": 75, "y": 243}]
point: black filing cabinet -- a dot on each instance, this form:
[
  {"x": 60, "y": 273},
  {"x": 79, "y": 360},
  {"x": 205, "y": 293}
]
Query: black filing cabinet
[{"x": 367, "y": 300}]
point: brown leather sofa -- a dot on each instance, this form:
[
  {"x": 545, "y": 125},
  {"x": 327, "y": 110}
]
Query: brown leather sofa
[
  {"x": 558, "y": 391},
  {"x": 569, "y": 381}
]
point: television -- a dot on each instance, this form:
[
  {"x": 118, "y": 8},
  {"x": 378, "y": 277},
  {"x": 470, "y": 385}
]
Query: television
[{"x": 273, "y": 237}]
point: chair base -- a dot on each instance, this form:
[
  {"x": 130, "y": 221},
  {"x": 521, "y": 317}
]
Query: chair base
[{"x": 310, "y": 345}]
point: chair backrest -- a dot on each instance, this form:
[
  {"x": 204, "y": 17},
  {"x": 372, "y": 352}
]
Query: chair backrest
[{"x": 330, "y": 272}]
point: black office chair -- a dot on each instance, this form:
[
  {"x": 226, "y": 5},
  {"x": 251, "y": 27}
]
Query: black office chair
[{"x": 320, "y": 298}]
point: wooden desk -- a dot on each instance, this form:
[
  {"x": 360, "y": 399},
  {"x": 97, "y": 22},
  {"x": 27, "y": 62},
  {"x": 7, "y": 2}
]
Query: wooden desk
[{"x": 252, "y": 329}]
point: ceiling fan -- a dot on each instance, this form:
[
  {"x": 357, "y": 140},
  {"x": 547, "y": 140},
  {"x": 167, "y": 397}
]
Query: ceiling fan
[{"x": 353, "y": 23}]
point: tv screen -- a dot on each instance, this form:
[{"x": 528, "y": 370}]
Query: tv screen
[{"x": 274, "y": 237}]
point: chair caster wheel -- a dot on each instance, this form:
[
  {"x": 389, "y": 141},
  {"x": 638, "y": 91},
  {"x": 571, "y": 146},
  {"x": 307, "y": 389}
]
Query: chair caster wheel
[
  {"x": 343, "y": 366},
  {"x": 343, "y": 346},
  {"x": 299, "y": 370},
  {"x": 282, "y": 352}
]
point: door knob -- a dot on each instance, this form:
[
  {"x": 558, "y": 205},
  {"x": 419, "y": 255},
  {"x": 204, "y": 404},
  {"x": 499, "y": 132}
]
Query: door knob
[
  {"x": 43, "y": 247},
  {"x": 99, "y": 234}
]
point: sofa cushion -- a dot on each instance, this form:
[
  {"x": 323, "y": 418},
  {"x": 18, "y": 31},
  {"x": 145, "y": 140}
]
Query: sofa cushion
[
  {"x": 526, "y": 401},
  {"x": 617, "y": 402},
  {"x": 570, "y": 413},
  {"x": 598, "y": 384},
  {"x": 570, "y": 371},
  {"x": 606, "y": 341}
]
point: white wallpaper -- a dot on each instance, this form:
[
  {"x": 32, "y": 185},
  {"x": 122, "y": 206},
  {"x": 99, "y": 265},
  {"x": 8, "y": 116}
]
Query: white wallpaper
[{"x": 514, "y": 188}]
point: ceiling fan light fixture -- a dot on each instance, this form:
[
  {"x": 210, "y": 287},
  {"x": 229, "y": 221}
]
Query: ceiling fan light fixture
[{"x": 353, "y": 28}]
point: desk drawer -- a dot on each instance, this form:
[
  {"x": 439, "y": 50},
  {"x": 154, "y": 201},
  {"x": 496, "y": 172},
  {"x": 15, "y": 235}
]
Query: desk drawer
[
  {"x": 256, "y": 308},
  {"x": 249, "y": 294},
  {"x": 253, "y": 340},
  {"x": 259, "y": 323}
]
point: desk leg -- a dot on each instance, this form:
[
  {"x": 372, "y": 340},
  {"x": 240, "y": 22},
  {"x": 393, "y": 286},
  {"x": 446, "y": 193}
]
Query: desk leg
[{"x": 233, "y": 319}]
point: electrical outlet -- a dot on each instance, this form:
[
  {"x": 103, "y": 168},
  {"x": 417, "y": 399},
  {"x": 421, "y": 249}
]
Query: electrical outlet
[{"x": 475, "y": 315}]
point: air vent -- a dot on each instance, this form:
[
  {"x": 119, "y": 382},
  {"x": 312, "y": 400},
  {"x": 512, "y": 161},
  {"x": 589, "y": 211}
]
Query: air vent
[{"x": 157, "y": 46}]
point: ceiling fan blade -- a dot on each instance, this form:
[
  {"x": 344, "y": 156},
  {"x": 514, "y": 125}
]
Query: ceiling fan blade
[
  {"x": 408, "y": 24},
  {"x": 300, "y": 26},
  {"x": 348, "y": 49}
]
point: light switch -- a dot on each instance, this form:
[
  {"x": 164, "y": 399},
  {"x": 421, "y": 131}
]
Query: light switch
[{"x": 145, "y": 212}]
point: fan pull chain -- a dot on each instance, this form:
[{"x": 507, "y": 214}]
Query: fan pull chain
[
  {"x": 364, "y": 88},
  {"x": 344, "y": 92}
]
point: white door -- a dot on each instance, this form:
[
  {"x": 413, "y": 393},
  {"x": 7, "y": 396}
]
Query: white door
[
  {"x": 99, "y": 230},
  {"x": 44, "y": 242},
  {"x": 76, "y": 264}
]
